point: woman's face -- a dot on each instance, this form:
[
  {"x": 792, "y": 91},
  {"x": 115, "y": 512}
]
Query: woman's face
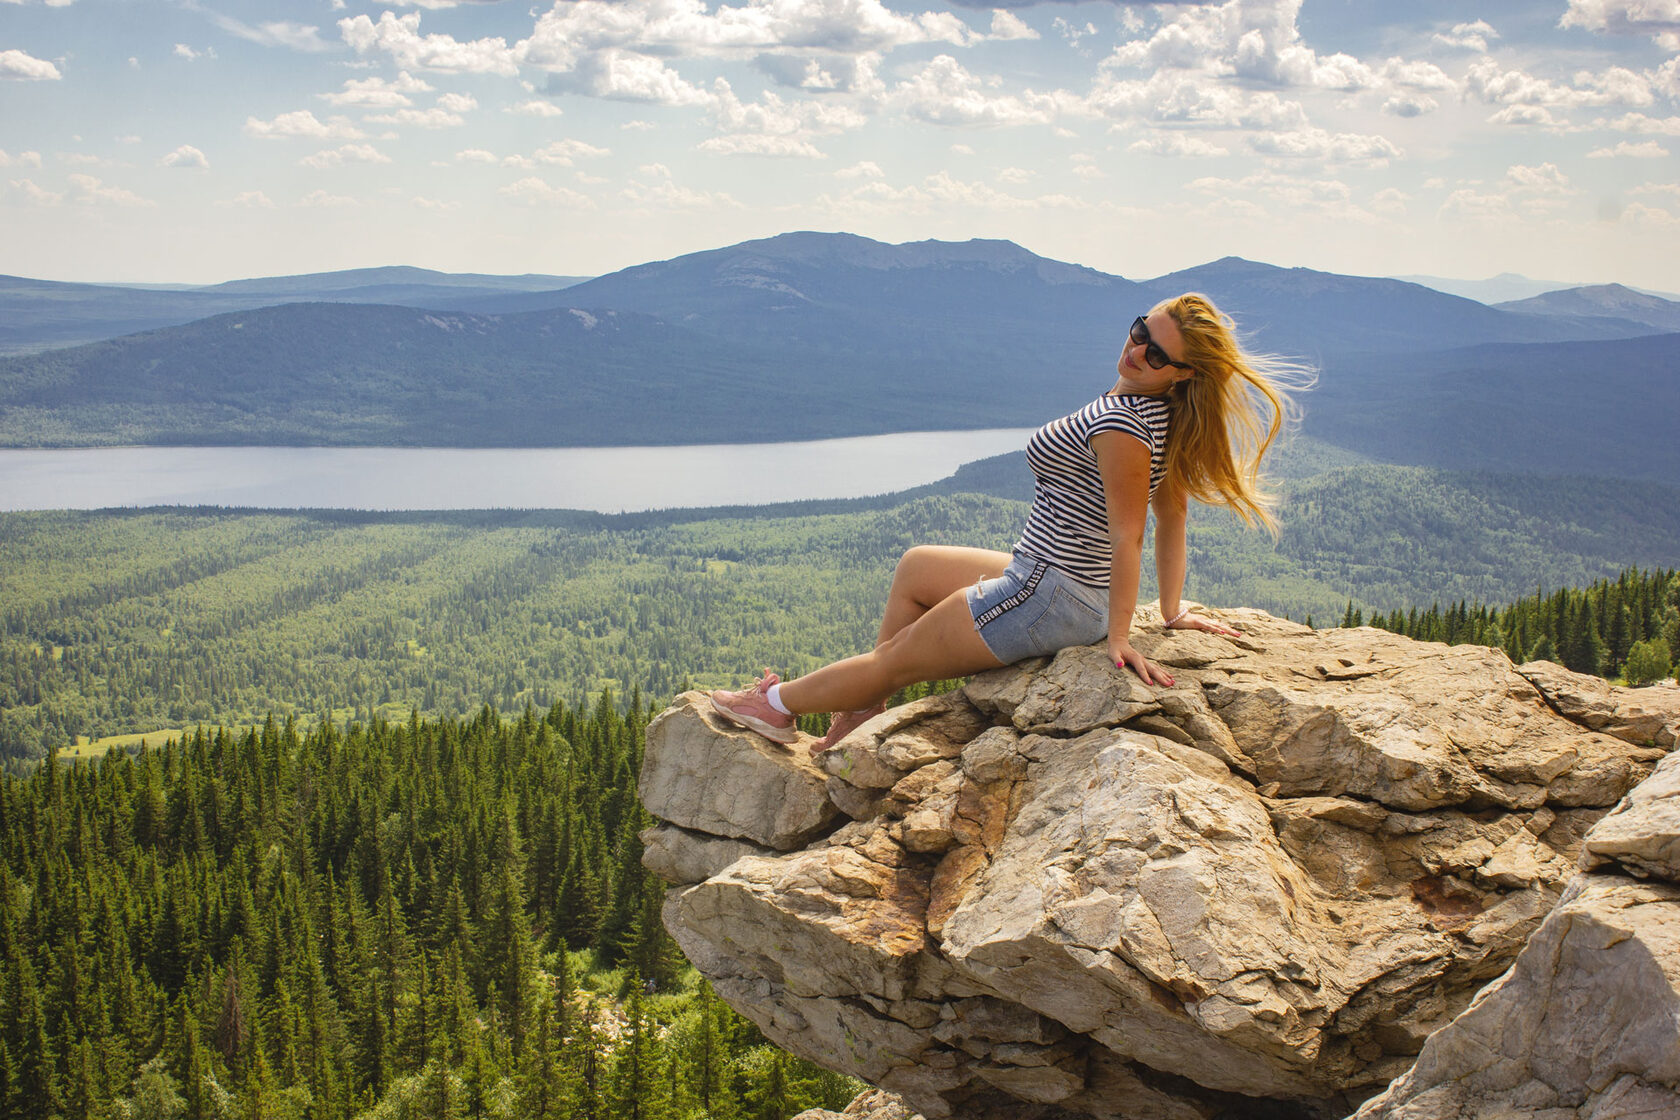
[{"x": 1136, "y": 374}]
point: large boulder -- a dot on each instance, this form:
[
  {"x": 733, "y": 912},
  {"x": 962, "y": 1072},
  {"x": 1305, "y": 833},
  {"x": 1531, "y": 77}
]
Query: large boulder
[
  {"x": 1059, "y": 892},
  {"x": 1587, "y": 1021}
]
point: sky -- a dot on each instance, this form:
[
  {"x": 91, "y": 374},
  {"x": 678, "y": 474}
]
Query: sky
[{"x": 195, "y": 141}]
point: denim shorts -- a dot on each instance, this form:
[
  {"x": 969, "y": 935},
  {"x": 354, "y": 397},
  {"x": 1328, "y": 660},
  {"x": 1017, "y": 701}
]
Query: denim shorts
[{"x": 1034, "y": 609}]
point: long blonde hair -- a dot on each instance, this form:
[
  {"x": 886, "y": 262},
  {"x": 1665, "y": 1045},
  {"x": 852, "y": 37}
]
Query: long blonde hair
[{"x": 1220, "y": 431}]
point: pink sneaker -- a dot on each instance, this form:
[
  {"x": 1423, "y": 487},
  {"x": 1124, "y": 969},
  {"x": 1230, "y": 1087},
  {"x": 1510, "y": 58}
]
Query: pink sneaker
[
  {"x": 750, "y": 708},
  {"x": 842, "y": 724}
]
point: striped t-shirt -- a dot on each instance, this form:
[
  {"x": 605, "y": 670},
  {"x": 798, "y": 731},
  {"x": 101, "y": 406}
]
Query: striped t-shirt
[{"x": 1068, "y": 525}]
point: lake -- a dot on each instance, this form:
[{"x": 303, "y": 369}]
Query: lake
[{"x": 604, "y": 479}]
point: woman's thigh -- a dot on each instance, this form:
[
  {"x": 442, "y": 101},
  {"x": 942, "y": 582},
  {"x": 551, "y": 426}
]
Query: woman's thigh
[{"x": 930, "y": 572}]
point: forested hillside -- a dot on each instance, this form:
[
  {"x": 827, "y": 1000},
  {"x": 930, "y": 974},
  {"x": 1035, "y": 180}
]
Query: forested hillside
[
  {"x": 115, "y": 623},
  {"x": 433, "y": 919}
]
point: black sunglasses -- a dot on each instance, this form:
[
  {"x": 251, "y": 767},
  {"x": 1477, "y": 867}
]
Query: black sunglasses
[{"x": 1152, "y": 352}]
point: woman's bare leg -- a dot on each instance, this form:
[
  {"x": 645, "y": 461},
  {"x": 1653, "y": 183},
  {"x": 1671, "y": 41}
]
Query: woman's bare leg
[
  {"x": 939, "y": 644},
  {"x": 927, "y": 573}
]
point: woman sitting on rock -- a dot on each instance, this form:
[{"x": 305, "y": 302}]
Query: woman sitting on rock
[{"x": 1184, "y": 420}]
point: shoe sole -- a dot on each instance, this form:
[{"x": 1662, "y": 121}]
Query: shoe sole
[{"x": 786, "y": 736}]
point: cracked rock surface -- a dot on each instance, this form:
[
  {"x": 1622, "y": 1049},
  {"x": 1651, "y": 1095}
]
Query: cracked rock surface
[
  {"x": 1587, "y": 1022},
  {"x": 1061, "y": 893}
]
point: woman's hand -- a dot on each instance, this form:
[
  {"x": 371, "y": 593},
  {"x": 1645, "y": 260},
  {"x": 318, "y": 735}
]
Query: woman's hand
[
  {"x": 1189, "y": 621},
  {"x": 1120, "y": 652}
]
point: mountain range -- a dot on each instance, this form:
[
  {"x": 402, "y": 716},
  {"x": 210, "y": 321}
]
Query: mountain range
[
  {"x": 808, "y": 334},
  {"x": 37, "y": 315}
]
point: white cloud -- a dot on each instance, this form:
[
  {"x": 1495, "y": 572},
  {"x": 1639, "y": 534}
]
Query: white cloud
[
  {"x": 254, "y": 200},
  {"x": 564, "y": 152},
  {"x": 185, "y": 156},
  {"x": 399, "y": 36},
  {"x": 568, "y": 33},
  {"x": 1176, "y": 145},
  {"x": 435, "y": 204},
  {"x": 89, "y": 191},
  {"x": 782, "y": 126},
  {"x": 1015, "y": 175},
  {"x": 1624, "y": 17},
  {"x": 22, "y": 159},
  {"x": 325, "y": 201},
  {"x": 1254, "y": 41},
  {"x": 1007, "y": 25},
  {"x": 1496, "y": 86},
  {"x": 1073, "y": 33},
  {"x": 535, "y": 192},
  {"x": 377, "y": 93},
  {"x": 18, "y": 66},
  {"x": 1640, "y": 123},
  {"x": 535, "y": 108},
  {"x": 1417, "y": 75},
  {"x": 658, "y": 189},
  {"x": 1317, "y": 143},
  {"x": 943, "y": 92},
  {"x": 457, "y": 102},
  {"x": 624, "y": 76},
  {"x": 1637, "y": 213},
  {"x": 1536, "y": 115},
  {"x": 420, "y": 118},
  {"x": 638, "y": 126},
  {"x": 1390, "y": 201},
  {"x": 1544, "y": 178},
  {"x": 186, "y": 52},
  {"x": 475, "y": 155},
  {"x": 348, "y": 153},
  {"x": 29, "y": 193},
  {"x": 276, "y": 33},
  {"x": 1650, "y": 149},
  {"x": 1526, "y": 191},
  {"x": 1410, "y": 105},
  {"x": 1470, "y": 36},
  {"x": 303, "y": 123},
  {"x": 867, "y": 169}
]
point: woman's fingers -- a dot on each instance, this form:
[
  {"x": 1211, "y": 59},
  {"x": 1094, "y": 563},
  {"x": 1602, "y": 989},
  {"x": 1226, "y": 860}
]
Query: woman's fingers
[{"x": 1147, "y": 672}]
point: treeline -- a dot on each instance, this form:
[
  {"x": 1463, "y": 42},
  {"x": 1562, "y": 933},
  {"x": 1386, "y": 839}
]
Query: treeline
[
  {"x": 1628, "y": 626},
  {"x": 431, "y": 919}
]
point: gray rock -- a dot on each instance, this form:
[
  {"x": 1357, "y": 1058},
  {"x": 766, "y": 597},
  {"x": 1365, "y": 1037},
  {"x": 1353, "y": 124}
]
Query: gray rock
[
  {"x": 702, "y": 773},
  {"x": 1641, "y": 836},
  {"x": 1066, "y": 894}
]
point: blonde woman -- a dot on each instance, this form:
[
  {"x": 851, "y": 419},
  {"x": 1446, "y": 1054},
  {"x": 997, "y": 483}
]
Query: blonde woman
[{"x": 1186, "y": 418}]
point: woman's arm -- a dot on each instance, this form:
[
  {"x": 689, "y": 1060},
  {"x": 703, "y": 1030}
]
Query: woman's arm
[
  {"x": 1172, "y": 515},
  {"x": 1123, "y": 462}
]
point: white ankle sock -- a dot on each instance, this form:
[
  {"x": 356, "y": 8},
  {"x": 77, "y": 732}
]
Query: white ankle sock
[{"x": 774, "y": 695}]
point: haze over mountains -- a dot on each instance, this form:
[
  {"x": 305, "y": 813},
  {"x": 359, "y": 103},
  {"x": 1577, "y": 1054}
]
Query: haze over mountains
[{"x": 807, "y": 335}]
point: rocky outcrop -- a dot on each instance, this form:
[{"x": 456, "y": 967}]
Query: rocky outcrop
[
  {"x": 1059, "y": 892},
  {"x": 1587, "y": 1022}
]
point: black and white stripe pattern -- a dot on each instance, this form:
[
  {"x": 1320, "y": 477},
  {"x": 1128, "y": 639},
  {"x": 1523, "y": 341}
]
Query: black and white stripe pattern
[{"x": 1068, "y": 525}]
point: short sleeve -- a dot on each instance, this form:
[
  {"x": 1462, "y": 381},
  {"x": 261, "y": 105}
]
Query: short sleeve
[{"x": 1122, "y": 416}]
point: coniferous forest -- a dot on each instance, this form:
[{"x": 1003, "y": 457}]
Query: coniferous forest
[
  {"x": 1625, "y": 627},
  {"x": 421, "y": 919}
]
